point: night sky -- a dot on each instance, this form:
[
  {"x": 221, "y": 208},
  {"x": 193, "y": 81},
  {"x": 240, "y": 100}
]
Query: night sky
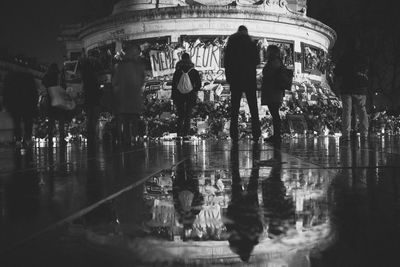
[{"x": 31, "y": 27}]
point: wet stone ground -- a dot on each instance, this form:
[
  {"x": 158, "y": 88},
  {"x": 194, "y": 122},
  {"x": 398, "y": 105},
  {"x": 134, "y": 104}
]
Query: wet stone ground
[{"x": 307, "y": 202}]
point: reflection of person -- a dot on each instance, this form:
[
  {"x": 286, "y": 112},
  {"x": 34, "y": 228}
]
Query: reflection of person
[
  {"x": 92, "y": 94},
  {"x": 127, "y": 82},
  {"x": 54, "y": 77},
  {"x": 22, "y": 191},
  {"x": 279, "y": 210},
  {"x": 184, "y": 102},
  {"x": 240, "y": 60},
  {"x": 188, "y": 200},
  {"x": 20, "y": 99},
  {"x": 243, "y": 222},
  {"x": 272, "y": 91},
  {"x": 352, "y": 70}
]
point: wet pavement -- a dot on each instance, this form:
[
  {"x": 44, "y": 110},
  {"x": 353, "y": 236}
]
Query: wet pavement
[{"x": 307, "y": 202}]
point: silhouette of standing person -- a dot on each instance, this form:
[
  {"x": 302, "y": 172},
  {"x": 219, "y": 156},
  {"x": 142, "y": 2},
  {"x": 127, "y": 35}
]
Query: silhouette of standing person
[
  {"x": 127, "y": 83},
  {"x": 54, "y": 77},
  {"x": 92, "y": 95},
  {"x": 183, "y": 101},
  {"x": 20, "y": 99},
  {"x": 279, "y": 209},
  {"x": 352, "y": 71},
  {"x": 272, "y": 91},
  {"x": 240, "y": 62},
  {"x": 243, "y": 222}
]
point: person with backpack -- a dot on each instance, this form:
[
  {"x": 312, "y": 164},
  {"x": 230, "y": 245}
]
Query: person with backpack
[
  {"x": 53, "y": 77},
  {"x": 276, "y": 79},
  {"x": 185, "y": 85}
]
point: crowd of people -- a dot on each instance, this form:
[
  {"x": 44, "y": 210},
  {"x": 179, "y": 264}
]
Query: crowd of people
[{"x": 127, "y": 103}]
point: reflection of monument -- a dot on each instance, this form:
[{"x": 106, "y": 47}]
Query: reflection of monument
[{"x": 165, "y": 28}]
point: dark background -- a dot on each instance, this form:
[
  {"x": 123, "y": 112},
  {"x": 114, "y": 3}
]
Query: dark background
[{"x": 31, "y": 27}]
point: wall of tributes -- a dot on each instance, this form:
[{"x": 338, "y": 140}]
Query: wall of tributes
[{"x": 164, "y": 29}]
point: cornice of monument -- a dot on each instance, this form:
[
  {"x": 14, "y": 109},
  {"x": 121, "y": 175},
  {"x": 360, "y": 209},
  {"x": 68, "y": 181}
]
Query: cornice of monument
[{"x": 182, "y": 12}]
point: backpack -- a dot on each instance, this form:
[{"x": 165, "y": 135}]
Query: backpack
[{"x": 185, "y": 85}]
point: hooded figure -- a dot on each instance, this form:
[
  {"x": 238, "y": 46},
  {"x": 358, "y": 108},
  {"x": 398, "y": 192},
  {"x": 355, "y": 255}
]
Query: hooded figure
[
  {"x": 20, "y": 99},
  {"x": 185, "y": 102},
  {"x": 127, "y": 84}
]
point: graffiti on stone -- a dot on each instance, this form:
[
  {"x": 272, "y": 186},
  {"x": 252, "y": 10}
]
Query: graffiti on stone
[{"x": 204, "y": 58}]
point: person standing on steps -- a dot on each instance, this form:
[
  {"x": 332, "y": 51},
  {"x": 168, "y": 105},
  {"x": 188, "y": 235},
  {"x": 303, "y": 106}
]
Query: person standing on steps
[
  {"x": 185, "y": 85},
  {"x": 240, "y": 62},
  {"x": 54, "y": 77},
  {"x": 276, "y": 79},
  {"x": 127, "y": 84},
  {"x": 352, "y": 74},
  {"x": 20, "y": 99}
]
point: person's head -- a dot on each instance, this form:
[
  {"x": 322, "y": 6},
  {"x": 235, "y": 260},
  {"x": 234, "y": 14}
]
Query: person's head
[
  {"x": 185, "y": 57},
  {"x": 273, "y": 52},
  {"x": 243, "y": 29},
  {"x": 132, "y": 52}
]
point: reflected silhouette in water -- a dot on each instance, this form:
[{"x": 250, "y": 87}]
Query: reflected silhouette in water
[
  {"x": 278, "y": 207},
  {"x": 243, "y": 220},
  {"x": 188, "y": 200},
  {"x": 22, "y": 189}
]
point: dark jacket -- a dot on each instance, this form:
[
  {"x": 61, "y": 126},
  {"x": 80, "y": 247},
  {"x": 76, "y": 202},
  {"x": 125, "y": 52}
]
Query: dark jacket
[
  {"x": 194, "y": 78},
  {"x": 20, "y": 93},
  {"x": 128, "y": 83},
  {"x": 352, "y": 69},
  {"x": 91, "y": 86},
  {"x": 240, "y": 61},
  {"x": 272, "y": 90}
]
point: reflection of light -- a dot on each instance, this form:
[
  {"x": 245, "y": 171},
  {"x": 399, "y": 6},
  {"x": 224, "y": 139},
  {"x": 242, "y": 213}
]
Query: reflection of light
[
  {"x": 299, "y": 225},
  {"x": 204, "y": 154}
]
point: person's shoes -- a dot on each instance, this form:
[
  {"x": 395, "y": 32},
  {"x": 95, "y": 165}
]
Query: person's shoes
[
  {"x": 62, "y": 142},
  {"x": 234, "y": 139},
  {"x": 28, "y": 144},
  {"x": 273, "y": 139},
  {"x": 344, "y": 139},
  {"x": 18, "y": 144},
  {"x": 256, "y": 139}
]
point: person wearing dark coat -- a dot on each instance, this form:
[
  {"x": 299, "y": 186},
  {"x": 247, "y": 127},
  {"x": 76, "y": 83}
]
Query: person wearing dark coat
[
  {"x": 54, "y": 77},
  {"x": 352, "y": 70},
  {"x": 128, "y": 81},
  {"x": 240, "y": 62},
  {"x": 92, "y": 94},
  {"x": 20, "y": 99},
  {"x": 272, "y": 91},
  {"x": 185, "y": 102}
]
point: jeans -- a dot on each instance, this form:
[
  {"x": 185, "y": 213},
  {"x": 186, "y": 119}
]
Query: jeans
[
  {"x": 276, "y": 118},
  {"x": 127, "y": 127},
  {"x": 184, "y": 107},
  {"x": 27, "y": 121},
  {"x": 251, "y": 97},
  {"x": 359, "y": 102}
]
